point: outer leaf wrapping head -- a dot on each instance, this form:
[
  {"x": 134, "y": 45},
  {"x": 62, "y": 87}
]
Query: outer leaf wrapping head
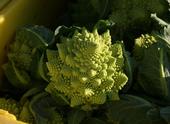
[{"x": 86, "y": 68}]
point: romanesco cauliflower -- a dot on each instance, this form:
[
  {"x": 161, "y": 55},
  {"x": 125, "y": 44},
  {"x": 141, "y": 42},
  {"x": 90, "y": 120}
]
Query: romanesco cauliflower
[{"x": 86, "y": 68}]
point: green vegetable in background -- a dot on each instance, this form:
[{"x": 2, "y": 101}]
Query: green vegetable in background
[
  {"x": 152, "y": 52},
  {"x": 25, "y": 56},
  {"x": 131, "y": 17}
]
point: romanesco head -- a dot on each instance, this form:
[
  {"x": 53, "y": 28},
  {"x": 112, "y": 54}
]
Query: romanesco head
[
  {"x": 86, "y": 68},
  {"x": 141, "y": 43}
]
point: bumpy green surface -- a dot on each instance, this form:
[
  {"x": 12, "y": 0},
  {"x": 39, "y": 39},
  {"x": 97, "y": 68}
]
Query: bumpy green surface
[
  {"x": 86, "y": 68},
  {"x": 142, "y": 43},
  {"x": 10, "y": 105}
]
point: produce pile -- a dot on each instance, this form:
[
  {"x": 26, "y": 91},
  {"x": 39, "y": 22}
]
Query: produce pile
[{"x": 104, "y": 62}]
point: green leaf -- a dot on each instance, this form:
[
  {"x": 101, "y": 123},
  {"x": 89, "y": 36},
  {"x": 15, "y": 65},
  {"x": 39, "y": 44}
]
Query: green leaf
[
  {"x": 130, "y": 110},
  {"x": 165, "y": 114},
  {"x": 150, "y": 75},
  {"x": 25, "y": 114},
  {"x": 43, "y": 108},
  {"x": 30, "y": 93},
  {"x": 92, "y": 120},
  {"x": 76, "y": 116},
  {"x": 59, "y": 98},
  {"x": 38, "y": 67},
  {"x": 35, "y": 36},
  {"x": 86, "y": 12},
  {"x": 35, "y": 64},
  {"x": 18, "y": 78},
  {"x": 63, "y": 31},
  {"x": 129, "y": 68},
  {"x": 103, "y": 25},
  {"x": 42, "y": 68}
]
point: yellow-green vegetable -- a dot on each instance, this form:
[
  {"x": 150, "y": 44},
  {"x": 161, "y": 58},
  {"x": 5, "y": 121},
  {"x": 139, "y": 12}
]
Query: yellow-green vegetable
[{"x": 86, "y": 68}]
